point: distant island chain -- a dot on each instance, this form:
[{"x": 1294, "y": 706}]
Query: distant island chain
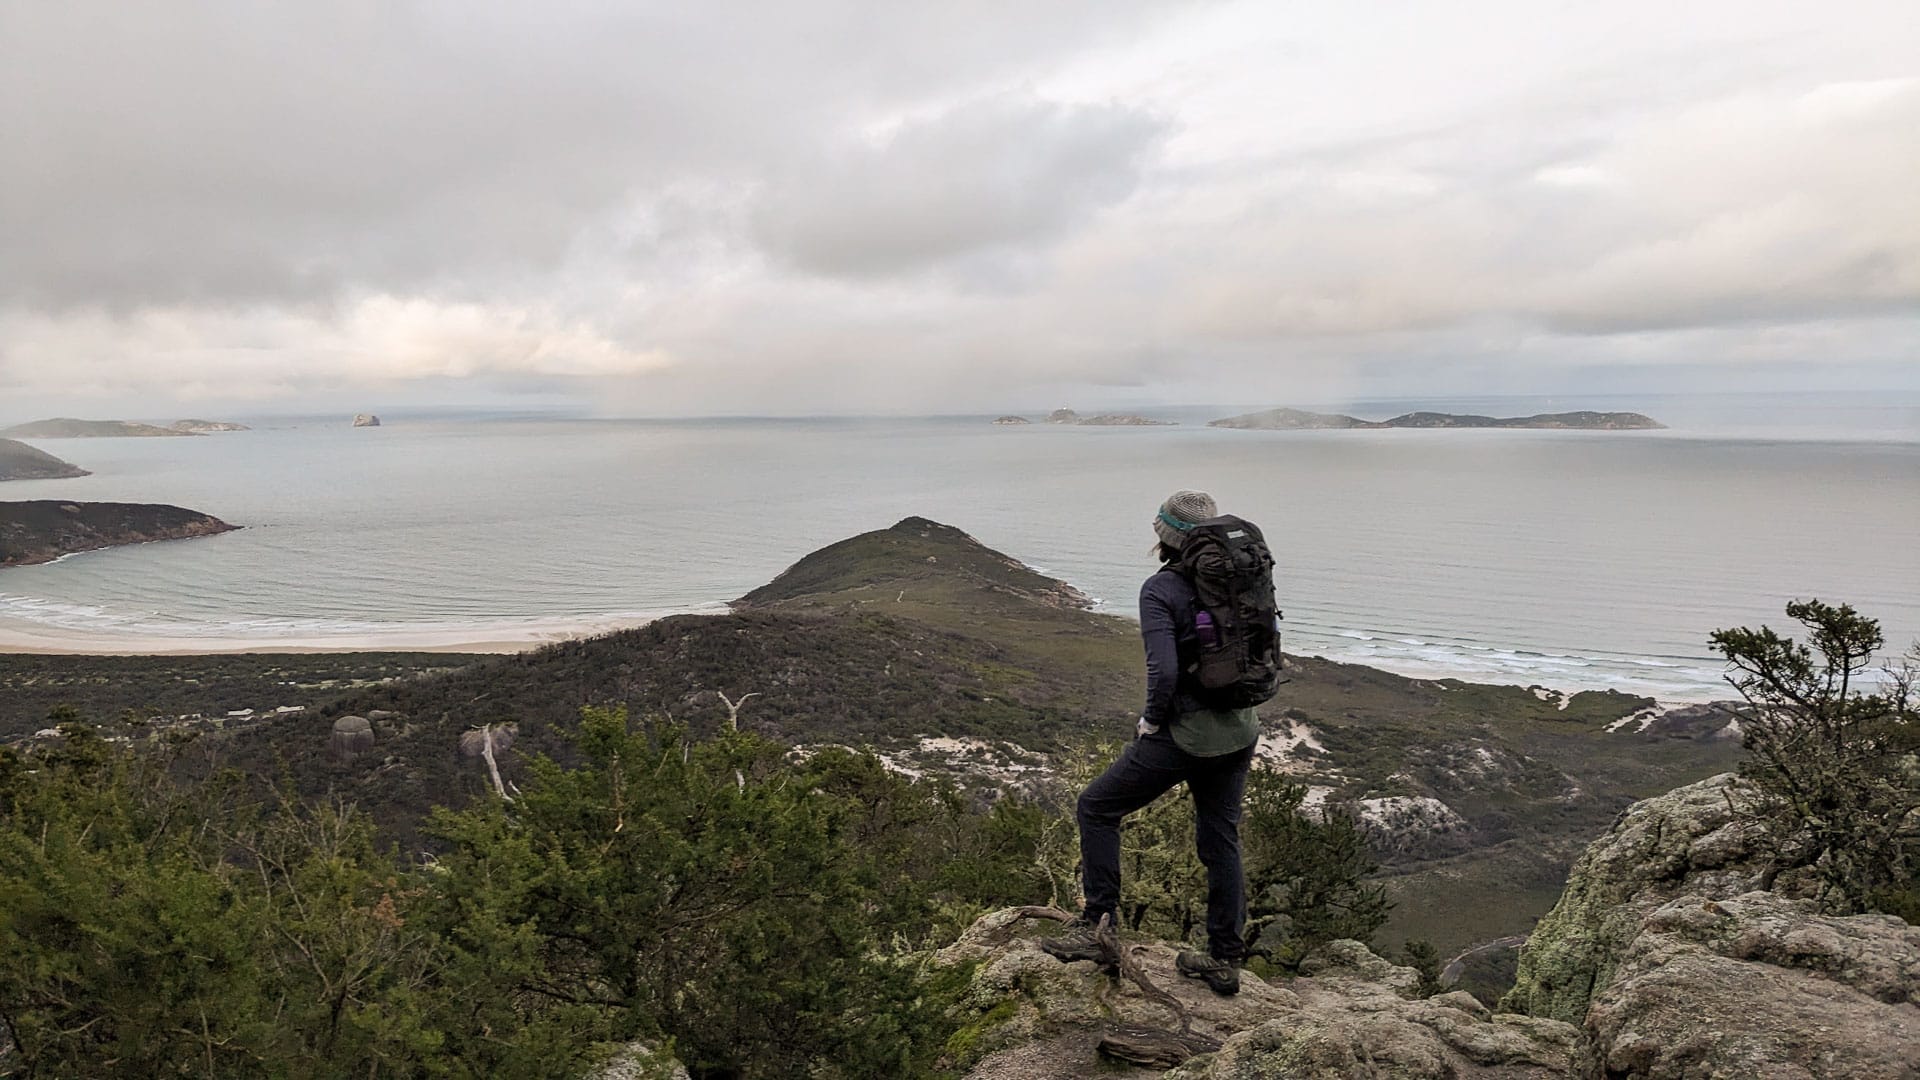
[{"x": 1302, "y": 420}]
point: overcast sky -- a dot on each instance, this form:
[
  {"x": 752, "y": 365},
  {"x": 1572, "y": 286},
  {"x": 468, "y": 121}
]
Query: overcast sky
[{"x": 809, "y": 205}]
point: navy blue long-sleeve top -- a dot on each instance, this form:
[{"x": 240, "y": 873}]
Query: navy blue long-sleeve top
[{"x": 1167, "y": 604}]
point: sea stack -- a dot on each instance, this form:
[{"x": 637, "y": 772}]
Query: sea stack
[{"x": 365, "y": 419}]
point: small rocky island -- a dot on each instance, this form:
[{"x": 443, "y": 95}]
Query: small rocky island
[
  {"x": 366, "y": 420},
  {"x": 43, "y": 530},
  {"x": 200, "y": 427},
  {"x": 66, "y": 427},
  {"x": 1069, "y": 417},
  {"x": 1302, "y": 420},
  {"x": 1011, "y": 420},
  {"x": 18, "y": 461}
]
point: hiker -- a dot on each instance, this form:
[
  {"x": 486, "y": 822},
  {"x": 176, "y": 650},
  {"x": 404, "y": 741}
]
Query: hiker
[{"x": 1208, "y": 663}]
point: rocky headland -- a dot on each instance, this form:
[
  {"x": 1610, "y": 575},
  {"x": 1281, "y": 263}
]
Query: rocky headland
[
  {"x": 206, "y": 426},
  {"x": 18, "y": 461},
  {"x": 1302, "y": 420},
  {"x": 65, "y": 427},
  {"x": 43, "y": 530}
]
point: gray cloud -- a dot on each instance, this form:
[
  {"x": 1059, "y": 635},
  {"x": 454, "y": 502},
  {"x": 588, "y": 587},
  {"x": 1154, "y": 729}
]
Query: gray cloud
[
  {"x": 1004, "y": 172},
  {"x": 215, "y": 152},
  {"x": 831, "y": 204}
]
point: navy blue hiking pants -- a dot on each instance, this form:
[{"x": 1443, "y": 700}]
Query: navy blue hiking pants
[{"x": 1150, "y": 767}]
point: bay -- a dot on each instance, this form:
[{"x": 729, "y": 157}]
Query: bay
[{"x": 1565, "y": 558}]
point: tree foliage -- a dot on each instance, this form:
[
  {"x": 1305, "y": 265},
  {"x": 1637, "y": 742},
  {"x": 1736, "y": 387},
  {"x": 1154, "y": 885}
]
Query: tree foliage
[
  {"x": 1833, "y": 754},
  {"x": 758, "y": 915}
]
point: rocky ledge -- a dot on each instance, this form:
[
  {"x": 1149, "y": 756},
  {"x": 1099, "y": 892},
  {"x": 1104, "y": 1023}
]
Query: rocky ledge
[
  {"x": 1353, "y": 1014},
  {"x": 1676, "y": 962},
  {"x": 44, "y": 530},
  {"x": 1664, "y": 960}
]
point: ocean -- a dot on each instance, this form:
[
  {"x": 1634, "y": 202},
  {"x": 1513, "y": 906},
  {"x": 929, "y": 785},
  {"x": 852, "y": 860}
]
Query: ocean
[{"x": 1573, "y": 560}]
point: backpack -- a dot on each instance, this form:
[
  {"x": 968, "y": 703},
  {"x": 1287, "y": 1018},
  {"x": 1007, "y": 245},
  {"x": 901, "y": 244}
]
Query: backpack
[{"x": 1236, "y": 616}]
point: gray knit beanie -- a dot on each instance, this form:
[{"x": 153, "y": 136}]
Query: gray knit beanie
[{"x": 1179, "y": 514}]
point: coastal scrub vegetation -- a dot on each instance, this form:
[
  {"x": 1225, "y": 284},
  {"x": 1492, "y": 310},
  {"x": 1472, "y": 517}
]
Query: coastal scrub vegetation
[
  {"x": 754, "y": 911},
  {"x": 1834, "y": 755}
]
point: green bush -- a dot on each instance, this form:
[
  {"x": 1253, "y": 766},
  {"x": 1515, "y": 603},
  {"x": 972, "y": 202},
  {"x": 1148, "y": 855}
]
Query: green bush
[
  {"x": 759, "y": 915},
  {"x": 1834, "y": 757}
]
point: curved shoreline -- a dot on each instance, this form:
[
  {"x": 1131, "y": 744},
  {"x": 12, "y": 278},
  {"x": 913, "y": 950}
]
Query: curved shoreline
[{"x": 26, "y": 636}]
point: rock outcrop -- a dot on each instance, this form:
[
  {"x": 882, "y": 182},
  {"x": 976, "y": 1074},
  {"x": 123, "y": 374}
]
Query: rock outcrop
[
  {"x": 1687, "y": 841},
  {"x": 203, "y": 426},
  {"x": 365, "y": 420},
  {"x": 1011, "y": 420},
  {"x": 1026, "y": 1015},
  {"x": 18, "y": 461},
  {"x": 1760, "y": 985},
  {"x": 1676, "y": 963}
]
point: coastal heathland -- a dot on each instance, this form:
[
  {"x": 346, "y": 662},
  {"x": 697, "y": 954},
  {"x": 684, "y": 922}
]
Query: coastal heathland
[
  {"x": 42, "y": 530},
  {"x": 18, "y": 461}
]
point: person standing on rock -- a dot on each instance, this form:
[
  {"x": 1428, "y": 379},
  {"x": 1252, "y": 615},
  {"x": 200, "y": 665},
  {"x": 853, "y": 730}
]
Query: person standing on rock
[{"x": 1208, "y": 621}]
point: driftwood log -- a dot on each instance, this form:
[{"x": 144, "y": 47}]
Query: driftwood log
[{"x": 1155, "y": 1048}]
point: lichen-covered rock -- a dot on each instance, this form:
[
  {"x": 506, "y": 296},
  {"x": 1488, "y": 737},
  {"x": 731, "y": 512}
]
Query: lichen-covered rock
[
  {"x": 1026, "y": 1016},
  {"x": 1760, "y": 985},
  {"x": 1686, "y": 841},
  {"x": 1678, "y": 965},
  {"x": 1351, "y": 961}
]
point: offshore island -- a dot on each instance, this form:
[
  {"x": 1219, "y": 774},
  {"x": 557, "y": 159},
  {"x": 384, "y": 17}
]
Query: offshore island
[
  {"x": 1302, "y": 420},
  {"x": 66, "y": 427}
]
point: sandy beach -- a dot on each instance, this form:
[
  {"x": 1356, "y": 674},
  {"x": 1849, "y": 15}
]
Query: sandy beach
[{"x": 20, "y": 636}]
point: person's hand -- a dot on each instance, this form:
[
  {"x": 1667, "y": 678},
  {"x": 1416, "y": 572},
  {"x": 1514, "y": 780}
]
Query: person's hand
[{"x": 1144, "y": 729}]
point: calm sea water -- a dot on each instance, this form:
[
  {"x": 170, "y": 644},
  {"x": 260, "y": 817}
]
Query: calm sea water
[{"x": 1570, "y": 559}]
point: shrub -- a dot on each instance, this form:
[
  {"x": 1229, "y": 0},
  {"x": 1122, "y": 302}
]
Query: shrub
[{"x": 1832, "y": 758}]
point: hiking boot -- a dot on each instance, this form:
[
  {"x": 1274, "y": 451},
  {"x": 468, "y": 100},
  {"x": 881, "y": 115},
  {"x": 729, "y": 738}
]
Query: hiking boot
[
  {"x": 1221, "y": 976},
  {"x": 1077, "y": 942}
]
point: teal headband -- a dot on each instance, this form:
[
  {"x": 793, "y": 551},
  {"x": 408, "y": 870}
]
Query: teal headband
[{"x": 1182, "y": 526}]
